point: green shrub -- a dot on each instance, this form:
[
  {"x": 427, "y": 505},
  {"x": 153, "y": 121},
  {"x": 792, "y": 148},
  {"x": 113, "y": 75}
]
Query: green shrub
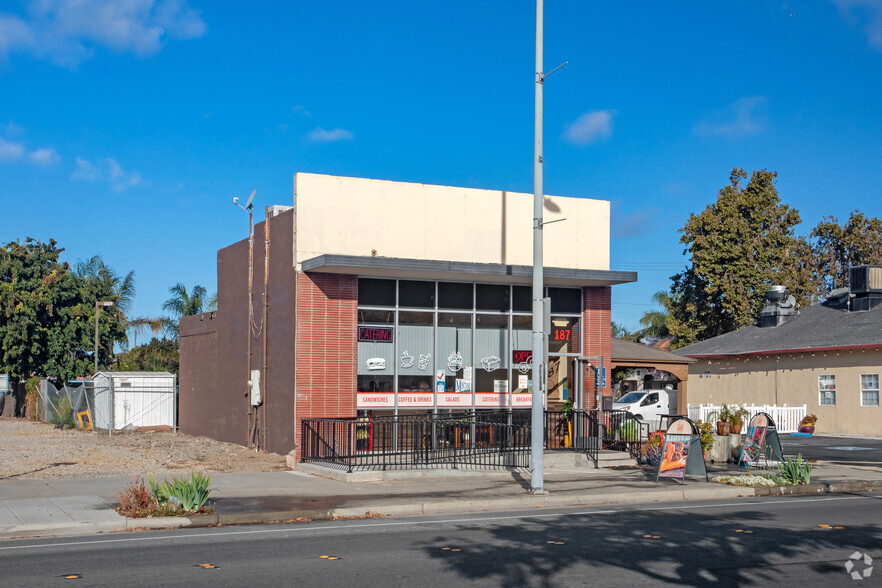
[
  {"x": 796, "y": 470},
  {"x": 192, "y": 493},
  {"x": 63, "y": 414}
]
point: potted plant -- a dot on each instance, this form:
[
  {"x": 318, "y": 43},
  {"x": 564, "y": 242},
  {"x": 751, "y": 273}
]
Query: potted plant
[
  {"x": 706, "y": 436},
  {"x": 807, "y": 424},
  {"x": 723, "y": 416},
  {"x": 566, "y": 423},
  {"x": 737, "y": 416}
]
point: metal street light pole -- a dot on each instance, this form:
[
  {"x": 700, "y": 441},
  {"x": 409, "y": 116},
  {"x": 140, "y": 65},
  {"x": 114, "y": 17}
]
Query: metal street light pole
[
  {"x": 537, "y": 480},
  {"x": 98, "y": 304}
]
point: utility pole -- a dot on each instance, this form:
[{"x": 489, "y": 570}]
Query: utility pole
[
  {"x": 537, "y": 478},
  {"x": 98, "y": 304}
]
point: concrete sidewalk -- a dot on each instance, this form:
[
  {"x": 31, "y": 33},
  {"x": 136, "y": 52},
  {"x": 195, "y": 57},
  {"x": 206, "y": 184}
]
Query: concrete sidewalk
[{"x": 77, "y": 506}]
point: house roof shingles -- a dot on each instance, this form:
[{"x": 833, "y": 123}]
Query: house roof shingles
[
  {"x": 817, "y": 327},
  {"x": 623, "y": 351}
]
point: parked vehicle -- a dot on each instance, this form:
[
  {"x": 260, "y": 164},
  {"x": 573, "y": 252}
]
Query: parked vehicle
[{"x": 645, "y": 405}]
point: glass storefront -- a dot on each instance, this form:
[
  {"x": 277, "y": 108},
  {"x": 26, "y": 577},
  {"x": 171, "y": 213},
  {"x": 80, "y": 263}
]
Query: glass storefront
[{"x": 458, "y": 345}]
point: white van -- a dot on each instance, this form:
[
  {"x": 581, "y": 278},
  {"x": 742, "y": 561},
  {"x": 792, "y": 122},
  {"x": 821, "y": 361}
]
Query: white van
[{"x": 645, "y": 405}]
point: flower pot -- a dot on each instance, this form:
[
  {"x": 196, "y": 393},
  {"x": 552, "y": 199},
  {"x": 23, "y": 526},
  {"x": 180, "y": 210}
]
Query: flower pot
[
  {"x": 810, "y": 429},
  {"x": 722, "y": 428},
  {"x": 735, "y": 429}
]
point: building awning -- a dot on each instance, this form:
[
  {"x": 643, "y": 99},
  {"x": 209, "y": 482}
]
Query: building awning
[{"x": 428, "y": 269}]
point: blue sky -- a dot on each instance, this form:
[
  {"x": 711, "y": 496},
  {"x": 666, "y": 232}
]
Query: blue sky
[{"x": 127, "y": 127}]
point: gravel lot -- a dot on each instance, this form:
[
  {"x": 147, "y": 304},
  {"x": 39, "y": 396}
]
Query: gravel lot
[{"x": 31, "y": 450}]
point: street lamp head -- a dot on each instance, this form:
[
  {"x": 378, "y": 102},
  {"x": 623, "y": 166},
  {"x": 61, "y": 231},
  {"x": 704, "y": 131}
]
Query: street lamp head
[{"x": 104, "y": 303}]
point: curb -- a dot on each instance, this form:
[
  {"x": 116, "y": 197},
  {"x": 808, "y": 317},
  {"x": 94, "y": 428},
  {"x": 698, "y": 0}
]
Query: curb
[{"x": 821, "y": 488}]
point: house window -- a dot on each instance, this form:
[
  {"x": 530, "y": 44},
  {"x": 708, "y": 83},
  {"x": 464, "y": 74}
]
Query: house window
[
  {"x": 827, "y": 388},
  {"x": 869, "y": 389}
]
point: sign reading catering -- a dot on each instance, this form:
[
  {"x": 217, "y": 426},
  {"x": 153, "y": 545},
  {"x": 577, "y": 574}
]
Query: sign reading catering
[{"x": 380, "y": 334}]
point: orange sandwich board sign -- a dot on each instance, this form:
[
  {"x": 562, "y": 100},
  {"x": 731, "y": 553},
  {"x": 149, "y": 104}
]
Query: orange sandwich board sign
[{"x": 682, "y": 453}]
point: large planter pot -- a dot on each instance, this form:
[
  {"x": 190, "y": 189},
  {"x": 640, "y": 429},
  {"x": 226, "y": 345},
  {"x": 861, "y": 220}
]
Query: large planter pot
[
  {"x": 722, "y": 428},
  {"x": 810, "y": 429},
  {"x": 735, "y": 429}
]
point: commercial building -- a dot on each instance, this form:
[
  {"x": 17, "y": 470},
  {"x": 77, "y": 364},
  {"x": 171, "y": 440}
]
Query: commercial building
[
  {"x": 827, "y": 357},
  {"x": 377, "y": 297}
]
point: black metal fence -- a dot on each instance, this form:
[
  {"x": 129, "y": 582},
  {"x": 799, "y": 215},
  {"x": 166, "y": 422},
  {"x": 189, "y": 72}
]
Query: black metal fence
[{"x": 479, "y": 440}]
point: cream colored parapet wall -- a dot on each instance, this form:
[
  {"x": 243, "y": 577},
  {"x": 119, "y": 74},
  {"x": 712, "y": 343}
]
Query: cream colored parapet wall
[{"x": 354, "y": 216}]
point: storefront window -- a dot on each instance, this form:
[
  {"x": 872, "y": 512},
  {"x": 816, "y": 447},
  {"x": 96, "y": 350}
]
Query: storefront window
[
  {"x": 564, "y": 335},
  {"x": 416, "y": 344},
  {"x": 565, "y": 300},
  {"x": 455, "y": 296},
  {"x": 491, "y": 353},
  {"x": 376, "y": 292},
  {"x": 376, "y": 350},
  {"x": 521, "y": 345},
  {"x": 492, "y": 297},
  {"x": 454, "y": 348},
  {"x": 416, "y": 294}
]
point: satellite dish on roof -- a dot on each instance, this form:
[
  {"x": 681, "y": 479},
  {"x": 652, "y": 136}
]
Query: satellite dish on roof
[{"x": 250, "y": 199}]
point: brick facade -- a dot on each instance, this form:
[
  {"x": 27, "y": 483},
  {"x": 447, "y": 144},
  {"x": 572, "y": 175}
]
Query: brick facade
[
  {"x": 326, "y": 353},
  {"x": 596, "y": 340}
]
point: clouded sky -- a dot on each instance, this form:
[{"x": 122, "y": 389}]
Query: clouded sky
[{"x": 126, "y": 127}]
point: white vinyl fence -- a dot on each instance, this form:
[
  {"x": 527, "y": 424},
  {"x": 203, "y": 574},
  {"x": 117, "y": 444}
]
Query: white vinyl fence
[{"x": 786, "y": 417}]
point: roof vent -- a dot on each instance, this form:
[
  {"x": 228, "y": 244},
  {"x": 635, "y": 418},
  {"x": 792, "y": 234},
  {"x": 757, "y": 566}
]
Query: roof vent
[
  {"x": 865, "y": 283},
  {"x": 780, "y": 306}
]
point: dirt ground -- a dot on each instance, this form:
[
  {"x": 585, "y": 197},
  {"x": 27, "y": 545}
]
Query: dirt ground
[{"x": 31, "y": 450}]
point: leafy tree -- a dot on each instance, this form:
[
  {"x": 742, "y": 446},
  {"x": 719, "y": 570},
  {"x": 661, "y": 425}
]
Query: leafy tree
[
  {"x": 48, "y": 314},
  {"x": 739, "y": 246},
  {"x": 182, "y": 303},
  {"x": 159, "y": 355},
  {"x": 835, "y": 248}
]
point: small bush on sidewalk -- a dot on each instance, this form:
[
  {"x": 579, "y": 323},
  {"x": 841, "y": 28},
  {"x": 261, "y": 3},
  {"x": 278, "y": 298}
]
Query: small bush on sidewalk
[
  {"x": 185, "y": 496},
  {"x": 751, "y": 481}
]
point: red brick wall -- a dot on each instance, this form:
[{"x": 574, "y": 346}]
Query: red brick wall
[
  {"x": 597, "y": 338},
  {"x": 326, "y": 354}
]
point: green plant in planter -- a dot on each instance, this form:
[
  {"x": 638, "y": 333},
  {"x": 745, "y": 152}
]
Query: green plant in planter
[
  {"x": 705, "y": 434},
  {"x": 737, "y": 416},
  {"x": 796, "y": 470},
  {"x": 191, "y": 493},
  {"x": 629, "y": 431}
]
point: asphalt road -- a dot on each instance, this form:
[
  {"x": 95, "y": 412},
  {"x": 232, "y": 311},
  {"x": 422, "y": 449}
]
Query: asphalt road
[
  {"x": 803, "y": 541},
  {"x": 853, "y": 451}
]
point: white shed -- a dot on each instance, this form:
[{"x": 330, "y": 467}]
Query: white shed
[{"x": 140, "y": 399}]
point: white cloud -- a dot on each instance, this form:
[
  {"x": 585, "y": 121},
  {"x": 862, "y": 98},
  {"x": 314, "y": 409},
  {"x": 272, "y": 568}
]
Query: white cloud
[
  {"x": 66, "y": 32},
  {"x": 320, "y": 135},
  {"x": 107, "y": 171},
  {"x": 742, "y": 118},
  {"x": 45, "y": 156},
  {"x": 590, "y": 128},
  {"x": 299, "y": 109},
  {"x": 10, "y": 151},
  {"x": 864, "y": 13}
]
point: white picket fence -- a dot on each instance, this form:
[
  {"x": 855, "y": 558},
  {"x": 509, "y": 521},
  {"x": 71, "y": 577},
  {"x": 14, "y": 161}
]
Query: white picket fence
[{"x": 786, "y": 417}]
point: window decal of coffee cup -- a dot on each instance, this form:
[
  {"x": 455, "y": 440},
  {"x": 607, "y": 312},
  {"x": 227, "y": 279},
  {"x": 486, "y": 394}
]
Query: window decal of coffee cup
[
  {"x": 454, "y": 362},
  {"x": 525, "y": 366},
  {"x": 424, "y": 361},
  {"x": 375, "y": 364},
  {"x": 491, "y": 363},
  {"x": 406, "y": 359}
]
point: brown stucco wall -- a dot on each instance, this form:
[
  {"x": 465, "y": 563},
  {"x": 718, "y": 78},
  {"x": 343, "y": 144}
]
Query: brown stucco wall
[
  {"x": 215, "y": 367},
  {"x": 792, "y": 379}
]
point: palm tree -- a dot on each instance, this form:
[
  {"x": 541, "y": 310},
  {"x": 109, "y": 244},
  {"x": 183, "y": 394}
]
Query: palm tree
[
  {"x": 655, "y": 322},
  {"x": 138, "y": 325},
  {"x": 181, "y": 303}
]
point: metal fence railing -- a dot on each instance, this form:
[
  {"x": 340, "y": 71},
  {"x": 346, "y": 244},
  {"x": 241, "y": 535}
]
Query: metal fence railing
[{"x": 480, "y": 440}]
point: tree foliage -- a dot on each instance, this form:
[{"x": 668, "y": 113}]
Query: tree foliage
[
  {"x": 835, "y": 248},
  {"x": 739, "y": 246},
  {"x": 48, "y": 313},
  {"x": 159, "y": 355}
]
